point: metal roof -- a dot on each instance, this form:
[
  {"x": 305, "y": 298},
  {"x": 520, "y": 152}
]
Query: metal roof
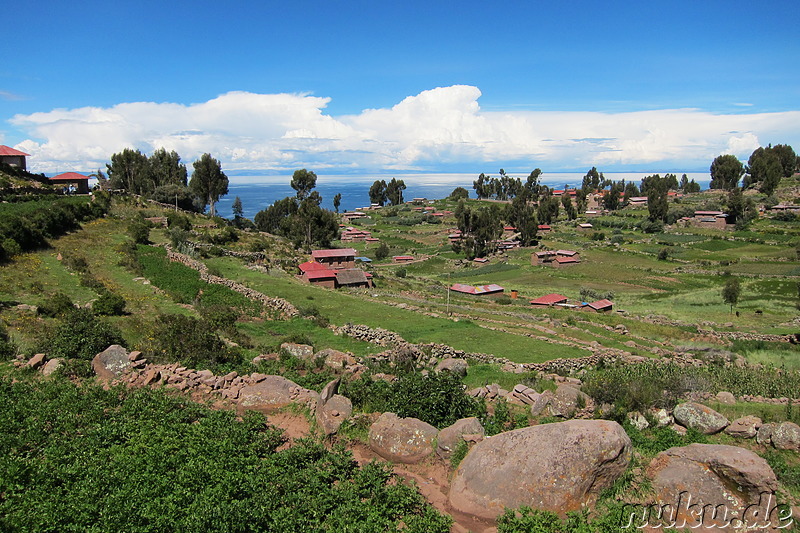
[
  {"x": 7, "y": 150},
  {"x": 344, "y": 252},
  {"x": 550, "y": 299},
  {"x": 69, "y": 176}
]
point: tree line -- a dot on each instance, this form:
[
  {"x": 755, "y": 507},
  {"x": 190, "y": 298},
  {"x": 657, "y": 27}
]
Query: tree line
[{"x": 764, "y": 169}]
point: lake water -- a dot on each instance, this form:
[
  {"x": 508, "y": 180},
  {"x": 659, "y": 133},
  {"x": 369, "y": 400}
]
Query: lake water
[{"x": 259, "y": 192}]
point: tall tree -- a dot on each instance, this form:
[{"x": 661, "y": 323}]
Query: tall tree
[
  {"x": 731, "y": 292},
  {"x": 764, "y": 168},
  {"x": 130, "y": 170},
  {"x": 303, "y": 181},
  {"x": 656, "y": 189},
  {"x": 740, "y": 210},
  {"x": 522, "y": 215},
  {"x": 377, "y": 192},
  {"x": 726, "y": 170},
  {"x": 569, "y": 207},
  {"x": 337, "y": 201},
  {"x": 532, "y": 183},
  {"x": 166, "y": 168},
  {"x": 237, "y": 208},
  {"x": 394, "y": 191},
  {"x": 208, "y": 181}
]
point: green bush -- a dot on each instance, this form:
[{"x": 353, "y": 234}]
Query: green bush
[
  {"x": 139, "y": 231},
  {"x": 8, "y": 350},
  {"x": 382, "y": 251},
  {"x": 437, "y": 398},
  {"x": 87, "y": 459},
  {"x": 109, "y": 304},
  {"x": 59, "y": 304},
  {"x": 81, "y": 335},
  {"x": 178, "y": 220},
  {"x": 189, "y": 341}
]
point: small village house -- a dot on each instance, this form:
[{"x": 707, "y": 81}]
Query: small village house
[
  {"x": 336, "y": 258},
  {"x": 71, "y": 182},
  {"x": 12, "y": 157},
  {"x": 600, "y": 306},
  {"x": 480, "y": 290},
  {"x": 549, "y": 300}
]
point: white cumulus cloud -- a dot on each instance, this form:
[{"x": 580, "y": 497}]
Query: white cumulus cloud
[{"x": 440, "y": 127}]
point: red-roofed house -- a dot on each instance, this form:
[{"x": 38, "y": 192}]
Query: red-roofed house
[
  {"x": 12, "y": 157},
  {"x": 540, "y": 258},
  {"x": 403, "y": 258},
  {"x": 480, "y": 290},
  {"x": 549, "y": 300},
  {"x": 600, "y": 306},
  {"x": 323, "y": 277},
  {"x": 544, "y": 228},
  {"x": 72, "y": 182},
  {"x": 567, "y": 260},
  {"x": 336, "y": 258}
]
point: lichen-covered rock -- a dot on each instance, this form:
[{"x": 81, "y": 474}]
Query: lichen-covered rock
[
  {"x": 638, "y": 420},
  {"x": 764, "y": 435},
  {"x": 52, "y": 366},
  {"x": 301, "y": 351},
  {"x": 711, "y": 474},
  {"x": 700, "y": 417},
  {"x": 786, "y": 436},
  {"x": 726, "y": 397},
  {"x": 453, "y": 365},
  {"x": 745, "y": 427},
  {"x": 566, "y": 401},
  {"x": 111, "y": 362},
  {"x": 451, "y": 436},
  {"x": 556, "y": 467},
  {"x": 402, "y": 440},
  {"x": 276, "y": 392},
  {"x": 333, "y": 413}
]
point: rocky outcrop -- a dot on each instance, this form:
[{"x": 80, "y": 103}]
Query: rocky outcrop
[
  {"x": 786, "y": 436},
  {"x": 700, "y": 417},
  {"x": 693, "y": 476},
  {"x": 745, "y": 427},
  {"x": 556, "y": 467},
  {"x": 276, "y": 392},
  {"x": 567, "y": 400},
  {"x": 464, "y": 430},
  {"x": 453, "y": 365},
  {"x": 303, "y": 352},
  {"x": 333, "y": 412},
  {"x": 111, "y": 362},
  {"x": 402, "y": 440}
]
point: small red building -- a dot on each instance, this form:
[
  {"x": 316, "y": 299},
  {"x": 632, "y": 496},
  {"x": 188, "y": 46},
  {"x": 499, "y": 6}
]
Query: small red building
[
  {"x": 336, "y": 258},
  {"x": 600, "y": 306},
  {"x": 549, "y": 300},
  {"x": 71, "y": 182}
]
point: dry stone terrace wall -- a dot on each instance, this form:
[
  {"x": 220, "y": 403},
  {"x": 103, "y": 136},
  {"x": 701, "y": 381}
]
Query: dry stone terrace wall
[{"x": 282, "y": 307}]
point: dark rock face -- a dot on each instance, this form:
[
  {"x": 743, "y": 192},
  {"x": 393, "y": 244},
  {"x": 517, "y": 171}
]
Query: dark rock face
[
  {"x": 402, "y": 440},
  {"x": 557, "y": 467}
]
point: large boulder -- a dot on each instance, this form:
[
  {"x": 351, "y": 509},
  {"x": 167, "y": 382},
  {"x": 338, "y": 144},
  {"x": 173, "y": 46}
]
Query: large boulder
[
  {"x": 691, "y": 477},
  {"x": 700, "y": 417},
  {"x": 764, "y": 435},
  {"x": 556, "y": 467},
  {"x": 567, "y": 400},
  {"x": 301, "y": 351},
  {"x": 276, "y": 392},
  {"x": 402, "y": 440},
  {"x": 786, "y": 436},
  {"x": 52, "y": 366},
  {"x": 451, "y": 436},
  {"x": 336, "y": 360},
  {"x": 111, "y": 362},
  {"x": 745, "y": 427},
  {"x": 453, "y": 365},
  {"x": 333, "y": 412}
]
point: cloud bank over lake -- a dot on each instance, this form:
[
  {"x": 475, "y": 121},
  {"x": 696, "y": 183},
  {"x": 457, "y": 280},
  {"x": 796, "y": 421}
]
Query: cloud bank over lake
[{"x": 442, "y": 129}]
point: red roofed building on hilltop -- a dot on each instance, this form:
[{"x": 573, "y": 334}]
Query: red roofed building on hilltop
[
  {"x": 12, "y": 157},
  {"x": 72, "y": 182},
  {"x": 549, "y": 300},
  {"x": 600, "y": 306}
]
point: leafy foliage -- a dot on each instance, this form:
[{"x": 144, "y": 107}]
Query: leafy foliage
[
  {"x": 726, "y": 170},
  {"x": 192, "y": 342},
  {"x": 437, "y": 398},
  {"x": 208, "y": 181},
  {"x": 81, "y": 335},
  {"x": 85, "y": 459}
]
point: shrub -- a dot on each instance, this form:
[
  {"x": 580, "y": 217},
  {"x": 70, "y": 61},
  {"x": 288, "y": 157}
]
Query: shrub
[
  {"x": 109, "y": 303},
  {"x": 598, "y": 236},
  {"x": 139, "y": 231},
  {"x": 58, "y": 305},
  {"x": 81, "y": 335},
  {"x": 663, "y": 254},
  {"x": 189, "y": 341},
  {"x": 617, "y": 239},
  {"x": 8, "y": 350},
  {"x": 382, "y": 252},
  {"x": 178, "y": 220},
  {"x": 401, "y": 272},
  {"x": 459, "y": 193},
  {"x": 652, "y": 226}
]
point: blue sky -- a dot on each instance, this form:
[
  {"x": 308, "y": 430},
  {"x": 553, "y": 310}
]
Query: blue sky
[{"x": 417, "y": 86}]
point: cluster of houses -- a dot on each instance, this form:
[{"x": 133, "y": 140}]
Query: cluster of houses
[
  {"x": 351, "y": 234},
  {"x": 69, "y": 182},
  {"x": 707, "y": 219},
  {"x": 555, "y": 257},
  {"x": 334, "y": 269}
]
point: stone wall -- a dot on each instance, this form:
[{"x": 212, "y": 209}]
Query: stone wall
[{"x": 283, "y": 308}]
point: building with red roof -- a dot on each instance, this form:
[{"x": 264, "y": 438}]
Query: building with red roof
[
  {"x": 600, "y": 306},
  {"x": 549, "y": 300},
  {"x": 72, "y": 182},
  {"x": 335, "y": 258},
  {"x": 480, "y": 290},
  {"x": 12, "y": 157}
]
